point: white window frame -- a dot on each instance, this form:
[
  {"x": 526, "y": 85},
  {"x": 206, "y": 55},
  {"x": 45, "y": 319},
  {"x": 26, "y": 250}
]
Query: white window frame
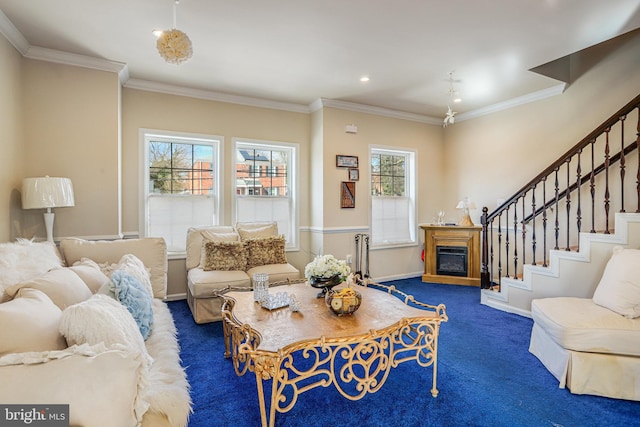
[
  {"x": 410, "y": 193},
  {"x": 292, "y": 234},
  {"x": 217, "y": 142}
]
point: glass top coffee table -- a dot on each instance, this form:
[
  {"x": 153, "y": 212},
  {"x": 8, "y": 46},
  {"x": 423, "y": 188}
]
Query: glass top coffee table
[{"x": 299, "y": 351}]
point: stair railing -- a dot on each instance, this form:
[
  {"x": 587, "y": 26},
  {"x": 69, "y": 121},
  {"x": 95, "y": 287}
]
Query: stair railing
[{"x": 548, "y": 212}]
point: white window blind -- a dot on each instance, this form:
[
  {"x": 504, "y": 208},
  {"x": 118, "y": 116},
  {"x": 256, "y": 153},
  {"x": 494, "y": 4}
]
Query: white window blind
[
  {"x": 265, "y": 209},
  {"x": 391, "y": 219}
]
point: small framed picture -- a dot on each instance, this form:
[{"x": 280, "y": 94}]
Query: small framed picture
[
  {"x": 346, "y": 161},
  {"x": 354, "y": 174},
  {"x": 348, "y": 194}
]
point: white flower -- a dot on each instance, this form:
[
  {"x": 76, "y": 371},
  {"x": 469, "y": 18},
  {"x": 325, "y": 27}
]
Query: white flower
[{"x": 327, "y": 266}]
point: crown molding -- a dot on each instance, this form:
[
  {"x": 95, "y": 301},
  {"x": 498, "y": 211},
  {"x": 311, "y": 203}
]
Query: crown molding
[
  {"x": 369, "y": 109},
  {"x": 514, "y": 102},
  {"x": 214, "y": 96},
  {"x": 57, "y": 56},
  {"x": 11, "y": 33}
]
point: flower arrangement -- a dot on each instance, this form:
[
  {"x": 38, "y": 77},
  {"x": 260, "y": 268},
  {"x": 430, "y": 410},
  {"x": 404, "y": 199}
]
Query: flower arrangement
[{"x": 327, "y": 266}]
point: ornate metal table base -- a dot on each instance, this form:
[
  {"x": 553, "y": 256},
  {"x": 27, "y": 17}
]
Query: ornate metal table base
[{"x": 354, "y": 365}]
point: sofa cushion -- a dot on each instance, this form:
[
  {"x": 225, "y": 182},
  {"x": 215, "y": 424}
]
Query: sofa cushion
[
  {"x": 195, "y": 242},
  {"x": 152, "y": 251},
  {"x": 225, "y": 256},
  {"x": 90, "y": 274},
  {"x": 30, "y": 323},
  {"x": 580, "y": 325},
  {"x": 127, "y": 289},
  {"x": 619, "y": 287},
  {"x": 265, "y": 251},
  {"x": 256, "y": 230},
  {"x": 210, "y": 236},
  {"x": 61, "y": 285},
  {"x": 201, "y": 283},
  {"x": 102, "y": 385},
  {"x": 102, "y": 319}
]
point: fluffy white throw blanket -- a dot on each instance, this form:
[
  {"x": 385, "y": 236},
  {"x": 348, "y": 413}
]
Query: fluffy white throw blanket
[{"x": 167, "y": 390}]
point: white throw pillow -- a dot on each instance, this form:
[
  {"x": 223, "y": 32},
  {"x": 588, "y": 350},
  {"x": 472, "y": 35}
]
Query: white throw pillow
[
  {"x": 256, "y": 230},
  {"x": 62, "y": 286},
  {"x": 30, "y": 322},
  {"x": 619, "y": 287},
  {"x": 25, "y": 260},
  {"x": 102, "y": 319}
]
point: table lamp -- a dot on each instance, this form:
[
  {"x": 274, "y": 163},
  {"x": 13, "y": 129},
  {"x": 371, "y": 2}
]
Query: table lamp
[
  {"x": 465, "y": 204},
  {"x": 47, "y": 192}
]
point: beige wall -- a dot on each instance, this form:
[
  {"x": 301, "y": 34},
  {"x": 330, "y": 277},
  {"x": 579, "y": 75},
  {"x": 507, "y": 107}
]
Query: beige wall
[
  {"x": 71, "y": 130},
  {"x": 11, "y": 140},
  {"x": 493, "y": 156},
  {"x": 340, "y": 225}
]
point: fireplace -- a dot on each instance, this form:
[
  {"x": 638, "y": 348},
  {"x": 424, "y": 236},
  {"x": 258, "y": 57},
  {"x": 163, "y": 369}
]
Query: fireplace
[
  {"x": 451, "y": 261},
  {"x": 452, "y": 254}
]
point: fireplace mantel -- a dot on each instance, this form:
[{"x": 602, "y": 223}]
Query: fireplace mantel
[{"x": 451, "y": 236}]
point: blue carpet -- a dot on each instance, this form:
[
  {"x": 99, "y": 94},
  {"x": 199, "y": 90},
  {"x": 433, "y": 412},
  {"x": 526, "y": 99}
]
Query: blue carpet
[{"x": 486, "y": 377}]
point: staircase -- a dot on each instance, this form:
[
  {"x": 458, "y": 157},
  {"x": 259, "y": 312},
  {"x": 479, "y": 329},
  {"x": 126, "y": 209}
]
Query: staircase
[{"x": 554, "y": 236}]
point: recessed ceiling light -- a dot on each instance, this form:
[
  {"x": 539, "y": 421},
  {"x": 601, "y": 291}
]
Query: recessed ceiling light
[
  {"x": 456, "y": 100},
  {"x": 364, "y": 79}
]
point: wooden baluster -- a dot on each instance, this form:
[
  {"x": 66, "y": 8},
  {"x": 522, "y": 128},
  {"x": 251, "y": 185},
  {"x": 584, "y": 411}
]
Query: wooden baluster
[
  {"x": 524, "y": 231},
  {"x": 500, "y": 245},
  {"x": 592, "y": 187},
  {"x": 484, "y": 273},
  {"x": 557, "y": 223},
  {"x": 506, "y": 227},
  {"x": 533, "y": 226},
  {"x": 622, "y": 163},
  {"x": 606, "y": 182},
  {"x": 638, "y": 154},
  {"x": 567, "y": 198},
  {"x": 579, "y": 208},
  {"x": 515, "y": 243},
  {"x": 491, "y": 256},
  {"x": 544, "y": 222}
]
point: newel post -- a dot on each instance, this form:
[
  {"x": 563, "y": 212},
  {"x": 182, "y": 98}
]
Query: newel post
[{"x": 485, "y": 282}]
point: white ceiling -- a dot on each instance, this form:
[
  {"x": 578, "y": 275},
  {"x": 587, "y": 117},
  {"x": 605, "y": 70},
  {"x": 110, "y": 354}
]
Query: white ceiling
[{"x": 299, "y": 51}]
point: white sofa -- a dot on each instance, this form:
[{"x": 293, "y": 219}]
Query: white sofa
[
  {"x": 204, "y": 280},
  {"x": 592, "y": 346},
  {"x": 104, "y": 381}
]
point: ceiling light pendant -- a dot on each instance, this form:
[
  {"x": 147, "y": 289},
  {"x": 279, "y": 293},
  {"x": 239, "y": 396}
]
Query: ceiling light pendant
[
  {"x": 174, "y": 45},
  {"x": 449, "y": 117}
]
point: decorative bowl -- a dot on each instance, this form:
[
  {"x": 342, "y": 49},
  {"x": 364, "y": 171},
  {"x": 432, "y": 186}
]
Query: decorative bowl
[
  {"x": 343, "y": 302},
  {"x": 324, "y": 283}
]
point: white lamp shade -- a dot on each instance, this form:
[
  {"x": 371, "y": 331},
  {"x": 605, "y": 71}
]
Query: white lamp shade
[{"x": 47, "y": 192}]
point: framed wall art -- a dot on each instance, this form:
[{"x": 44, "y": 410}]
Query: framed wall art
[
  {"x": 348, "y": 194},
  {"x": 354, "y": 174},
  {"x": 346, "y": 161}
]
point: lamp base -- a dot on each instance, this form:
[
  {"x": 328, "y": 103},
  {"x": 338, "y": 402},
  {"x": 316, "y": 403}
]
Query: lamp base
[
  {"x": 48, "y": 224},
  {"x": 466, "y": 221}
]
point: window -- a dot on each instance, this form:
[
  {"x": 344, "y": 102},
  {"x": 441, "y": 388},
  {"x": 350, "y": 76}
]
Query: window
[
  {"x": 264, "y": 181},
  {"x": 181, "y": 185},
  {"x": 392, "y": 197}
]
